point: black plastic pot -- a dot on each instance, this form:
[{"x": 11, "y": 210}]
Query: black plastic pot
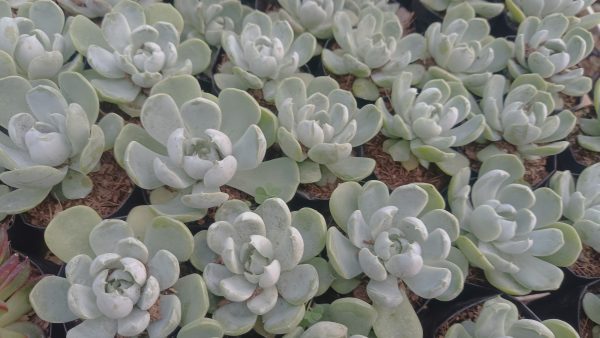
[
  {"x": 565, "y": 303},
  {"x": 29, "y": 238},
  {"x": 567, "y": 161},
  {"x": 437, "y": 312}
]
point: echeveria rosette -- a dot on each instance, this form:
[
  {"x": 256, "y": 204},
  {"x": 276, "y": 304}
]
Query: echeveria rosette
[
  {"x": 552, "y": 47},
  {"x": 525, "y": 117},
  {"x": 374, "y": 51},
  {"x": 313, "y": 16},
  {"x": 263, "y": 54},
  {"x": 319, "y": 124},
  {"x": 256, "y": 260},
  {"x": 463, "y": 49},
  {"x": 404, "y": 236},
  {"x": 36, "y": 44},
  {"x": 134, "y": 49},
  {"x": 518, "y": 10},
  {"x": 581, "y": 202},
  {"x": 52, "y": 142},
  {"x": 115, "y": 282},
  {"x": 208, "y": 19},
  {"x": 486, "y": 9},
  {"x": 511, "y": 231},
  {"x": 18, "y": 278},
  {"x": 500, "y": 318},
  {"x": 591, "y": 306},
  {"x": 423, "y": 127},
  {"x": 195, "y": 145}
]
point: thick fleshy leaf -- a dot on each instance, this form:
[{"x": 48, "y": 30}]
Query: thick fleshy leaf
[
  {"x": 298, "y": 285},
  {"x": 197, "y": 51},
  {"x": 275, "y": 178},
  {"x": 547, "y": 207},
  {"x": 343, "y": 202},
  {"x": 116, "y": 90},
  {"x": 33, "y": 177},
  {"x": 171, "y": 235},
  {"x": 386, "y": 293},
  {"x": 21, "y": 200},
  {"x": 430, "y": 282},
  {"x": 402, "y": 318},
  {"x": 352, "y": 168},
  {"x": 193, "y": 295},
  {"x": 357, "y": 315},
  {"x": 343, "y": 255},
  {"x": 170, "y": 311},
  {"x": 570, "y": 250},
  {"x": 12, "y": 99},
  {"x": 311, "y": 225},
  {"x": 49, "y": 300},
  {"x": 250, "y": 149},
  {"x": 84, "y": 32},
  {"x": 160, "y": 117},
  {"x": 138, "y": 162},
  {"x": 239, "y": 110},
  {"x": 105, "y": 236},
  {"x": 165, "y": 268},
  {"x": 82, "y": 302},
  {"x": 99, "y": 327},
  {"x": 235, "y": 318},
  {"x": 201, "y": 328},
  {"x": 283, "y": 317},
  {"x": 67, "y": 235},
  {"x": 537, "y": 274}
]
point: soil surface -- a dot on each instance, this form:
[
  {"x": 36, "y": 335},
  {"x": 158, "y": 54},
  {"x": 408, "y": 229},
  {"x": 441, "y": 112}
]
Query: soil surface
[
  {"x": 535, "y": 170},
  {"x": 111, "y": 189},
  {"x": 393, "y": 174},
  {"x": 588, "y": 263}
]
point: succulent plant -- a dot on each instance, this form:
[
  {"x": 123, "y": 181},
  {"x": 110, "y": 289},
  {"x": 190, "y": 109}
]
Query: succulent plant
[
  {"x": 17, "y": 279},
  {"x": 117, "y": 284},
  {"x": 511, "y": 231},
  {"x": 35, "y": 44},
  {"x": 518, "y": 10},
  {"x": 374, "y": 51},
  {"x": 463, "y": 49},
  {"x": 591, "y": 306},
  {"x": 255, "y": 260},
  {"x": 525, "y": 117},
  {"x": 314, "y": 16},
  {"x": 93, "y": 8},
  {"x": 581, "y": 205},
  {"x": 424, "y": 127},
  {"x": 486, "y": 9},
  {"x": 208, "y": 19},
  {"x": 591, "y": 126},
  {"x": 318, "y": 126},
  {"x": 194, "y": 145},
  {"x": 135, "y": 48},
  {"x": 552, "y": 47},
  {"x": 52, "y": 141},
  {"x": 265, "y": 53},
  {"x": 500, "y": 318},
  {"x": 323, "y": 329},
  {"x": 404, "y": 236}
]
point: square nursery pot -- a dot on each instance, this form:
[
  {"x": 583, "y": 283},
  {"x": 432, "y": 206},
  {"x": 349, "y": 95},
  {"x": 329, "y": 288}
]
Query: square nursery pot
[
  {"x": 437, "y": 313},
  {"x": 566, "y": 302}
]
